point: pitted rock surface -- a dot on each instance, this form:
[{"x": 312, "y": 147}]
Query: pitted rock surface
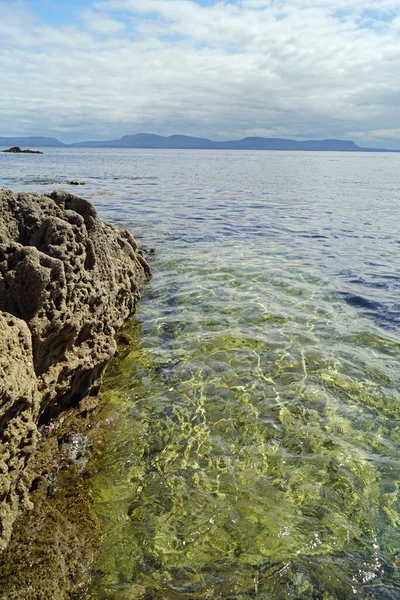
[
  {"x": 68, "y": 281},
  {"x": 19, "y": 403}
]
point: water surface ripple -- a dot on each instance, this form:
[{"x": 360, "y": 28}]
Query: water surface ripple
[{"x": 254, "y": 451}]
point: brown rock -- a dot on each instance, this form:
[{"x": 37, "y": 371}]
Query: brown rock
[
  {"x": 68, "y": 281},
  {"x": 19, "y": 407}
]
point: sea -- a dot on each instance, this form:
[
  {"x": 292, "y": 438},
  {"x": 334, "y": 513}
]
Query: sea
[{"x": 254, "y": 445}]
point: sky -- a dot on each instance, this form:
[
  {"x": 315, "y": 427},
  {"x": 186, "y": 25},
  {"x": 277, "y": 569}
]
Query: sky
[{"x": 303, "y": 69}]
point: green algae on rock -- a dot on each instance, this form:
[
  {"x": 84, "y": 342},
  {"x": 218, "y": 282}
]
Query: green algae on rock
[{"x": 54, "y": 544}]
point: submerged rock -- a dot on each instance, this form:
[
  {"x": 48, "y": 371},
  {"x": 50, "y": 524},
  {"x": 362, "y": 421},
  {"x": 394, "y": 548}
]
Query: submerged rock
[
  {"x": 68, "y": 281},
  {"x": 18, "y": 150},
  {"x": 74, "y": 182}
]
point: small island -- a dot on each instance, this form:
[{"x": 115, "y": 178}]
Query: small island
[{"x": 18, "y": 150}]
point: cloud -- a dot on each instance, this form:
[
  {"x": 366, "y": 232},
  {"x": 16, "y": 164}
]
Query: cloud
[
  {"x": 299, "y": 68},
  {"x": 380, "y": 134},
  {"x": 99, "y": 23}
]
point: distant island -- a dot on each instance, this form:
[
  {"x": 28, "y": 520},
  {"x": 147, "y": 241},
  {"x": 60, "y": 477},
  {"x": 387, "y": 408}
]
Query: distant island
[
  {"x": 176, "y": 142},
  {"x": 18, "y": 150}
]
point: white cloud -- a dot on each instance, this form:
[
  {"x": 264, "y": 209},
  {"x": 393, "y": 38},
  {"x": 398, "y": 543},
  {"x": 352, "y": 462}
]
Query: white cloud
[
  {"x": 99, "y": 23},
  {"x": 300, "y": 68},
  {"x": 379, "y": 134}
]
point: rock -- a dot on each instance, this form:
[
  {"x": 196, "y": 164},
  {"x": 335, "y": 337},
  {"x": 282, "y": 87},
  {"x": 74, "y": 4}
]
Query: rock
[
  {"x": 53, "y": 546},
  {"x": 17, "y": 150},
  {"x": 19, "y": 407},
  {"x": 68, "y": 281},
  {"x": 73, "y": 182}
]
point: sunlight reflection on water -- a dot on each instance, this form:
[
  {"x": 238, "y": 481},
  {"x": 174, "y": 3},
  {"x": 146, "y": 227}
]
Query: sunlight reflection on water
[{"x": 255, "y": 448}]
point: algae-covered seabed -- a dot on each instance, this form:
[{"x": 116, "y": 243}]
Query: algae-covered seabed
[{"x": 254, "y": 449}]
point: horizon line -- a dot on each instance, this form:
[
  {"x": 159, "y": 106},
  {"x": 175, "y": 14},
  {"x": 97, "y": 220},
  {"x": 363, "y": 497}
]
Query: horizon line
[{"x": 219, "y": 144}]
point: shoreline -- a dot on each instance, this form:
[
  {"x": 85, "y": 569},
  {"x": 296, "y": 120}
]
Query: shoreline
[{"x": 68, "y": 282}]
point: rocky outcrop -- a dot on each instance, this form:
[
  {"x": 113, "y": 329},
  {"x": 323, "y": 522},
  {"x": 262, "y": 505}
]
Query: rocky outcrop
[
  {"x": 67, "y": 283},
  {"x": 18, "y": 150},
  {"x": 19, "y": 403}
]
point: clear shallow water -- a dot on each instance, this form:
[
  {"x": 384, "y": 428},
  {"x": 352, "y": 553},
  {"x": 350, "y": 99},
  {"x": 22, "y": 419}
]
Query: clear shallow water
[{"x": 255, "y": 445}]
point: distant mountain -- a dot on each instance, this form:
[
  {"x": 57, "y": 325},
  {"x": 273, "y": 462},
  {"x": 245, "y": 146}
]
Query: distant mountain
[
  {"x": 150, "y": 140},
  {"x": 32, "y": 142},
  {"x": 259, "y": 143}
]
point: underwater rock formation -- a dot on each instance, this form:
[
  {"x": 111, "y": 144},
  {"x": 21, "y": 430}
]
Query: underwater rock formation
[{"x": 68, "y": 281}]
